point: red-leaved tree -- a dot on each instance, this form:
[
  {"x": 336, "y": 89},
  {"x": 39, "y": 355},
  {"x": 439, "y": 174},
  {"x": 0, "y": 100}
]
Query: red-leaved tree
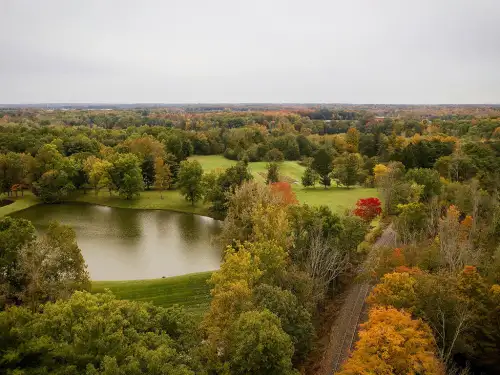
[{"x": 368, "y": 208}]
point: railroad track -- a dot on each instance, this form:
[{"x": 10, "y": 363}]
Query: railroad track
[{"x": 348, "y": 323}]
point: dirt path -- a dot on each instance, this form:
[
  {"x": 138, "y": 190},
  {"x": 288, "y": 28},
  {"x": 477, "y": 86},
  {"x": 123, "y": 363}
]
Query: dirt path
[{"x": 345, "y": 327}]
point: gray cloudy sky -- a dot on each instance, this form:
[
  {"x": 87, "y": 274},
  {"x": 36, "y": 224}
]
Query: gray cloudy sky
[{"x": 185, "y": 51}]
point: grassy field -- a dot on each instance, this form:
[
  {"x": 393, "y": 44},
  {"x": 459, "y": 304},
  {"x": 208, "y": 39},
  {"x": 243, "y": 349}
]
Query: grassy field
[
  {"x": 20, "y": 203},
  {"x": 337, "y": 198},
  {"x": 190, "y": 291},
  {"x": 213, "y": 162}
]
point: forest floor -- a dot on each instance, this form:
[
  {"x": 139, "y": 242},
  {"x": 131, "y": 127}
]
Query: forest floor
[
  {"x": 346, "y": 320},
  {"x": 191, "y": 291}
]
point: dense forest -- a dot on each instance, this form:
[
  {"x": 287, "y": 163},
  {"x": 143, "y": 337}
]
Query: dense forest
[{"x": 434, "y": 305}]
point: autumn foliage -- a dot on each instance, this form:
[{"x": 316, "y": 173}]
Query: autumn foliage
[
  {"x": 284, "y": 189},
  {"x": 395, "y": 290},
  {"x": 368, "y": 208},
  {"x": 391, "y": 342}
]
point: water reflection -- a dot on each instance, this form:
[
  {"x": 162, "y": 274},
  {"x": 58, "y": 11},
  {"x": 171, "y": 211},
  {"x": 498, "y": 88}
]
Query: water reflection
[
  {"x": 190, "y": 228},
  {"x": 124, "y": 244}
]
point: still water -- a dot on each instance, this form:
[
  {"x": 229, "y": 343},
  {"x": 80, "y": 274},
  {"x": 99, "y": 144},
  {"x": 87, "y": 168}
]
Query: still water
[{"x": 127, "y": 244}]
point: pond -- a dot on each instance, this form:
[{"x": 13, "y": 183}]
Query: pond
[{"x": 129, "y": 244}]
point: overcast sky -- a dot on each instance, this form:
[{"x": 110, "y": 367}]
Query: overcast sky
[{"x": 192, "y": 51}]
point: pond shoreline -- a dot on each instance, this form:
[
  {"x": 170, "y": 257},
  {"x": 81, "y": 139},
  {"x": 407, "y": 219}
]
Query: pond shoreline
[
  {"x": 122, "y": 244},
  {"x": 19, "y": 204},
  {"x": 150, "y": 201},
  {"x": 5, "y": 202},
  {"x": 85, "y": 202}
]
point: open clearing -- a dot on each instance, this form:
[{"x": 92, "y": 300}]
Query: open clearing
[{"x": 337, "y": 198}]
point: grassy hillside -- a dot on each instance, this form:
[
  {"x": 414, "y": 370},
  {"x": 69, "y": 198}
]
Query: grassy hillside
[{"x": 190, "y": 291}]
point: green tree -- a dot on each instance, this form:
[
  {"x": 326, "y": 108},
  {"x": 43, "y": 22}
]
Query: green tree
[
  {"x": 272, "y": 173},
  {"x": 96, "y": 334},
  {"x": 190, "y": 180},
  {"x": 389, "y": 180},
  {"x": 247, "y": 205},
  {"x": 14, "y": 234},
  {"x": 125, "y": 175},
  {"x": 275, "y": 155},
  {"x": 52, "y": 266},
  {"x": 148, "y": 171},
  {"x": 53, "y": 186},
  {"x": 258, "y": 345},
  {"x": 295, "y": 319},
  {"x": 428, "y": 178},
  {"x": 347, "y": 169},
  {"x": 424, "y": 153},
  {"x": 98, "y": 172},
  {"x": 47, "y": 158},
  {"x": 310, "y": 177},
  {"x": 12, "y": 171},
  {"x": 322, "y": 164},
  {"x": 411, "y": 222},
  {"x": 456, "y": 167},
  {"x": 306, "y": 147},
  {"x": 220, "y": 185},
  {"x": 353, "y": 232}
]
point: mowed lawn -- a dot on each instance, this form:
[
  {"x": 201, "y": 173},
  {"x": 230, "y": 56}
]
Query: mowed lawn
[
  {"x": 20, "y": 203},
  {"x": 337, "y": 198},
  {"x": 191, "y": 291}
]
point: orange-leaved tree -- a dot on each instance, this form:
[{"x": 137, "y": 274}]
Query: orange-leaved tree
[
  {"x": 391, "y": 342},
  {"x": 284, "y": 189}
]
